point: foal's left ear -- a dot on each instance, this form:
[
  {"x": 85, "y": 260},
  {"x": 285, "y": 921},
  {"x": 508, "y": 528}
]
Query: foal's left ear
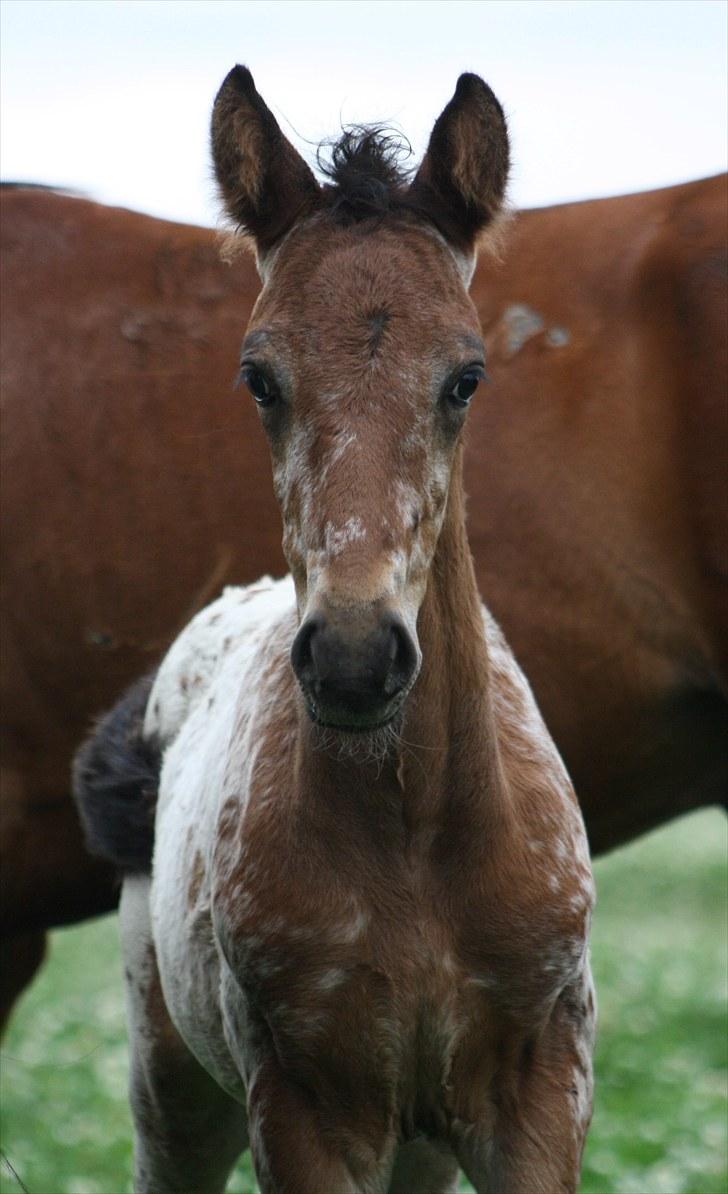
[
  {"x": 462, "y": 179},
  {"x": 264, "y": 181}
]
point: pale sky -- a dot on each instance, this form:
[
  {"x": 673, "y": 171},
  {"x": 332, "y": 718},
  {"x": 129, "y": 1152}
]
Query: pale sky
[{"x": 113, "y": 97}]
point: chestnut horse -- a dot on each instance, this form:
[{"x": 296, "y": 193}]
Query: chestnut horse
[
  {"x": 598, "y": 526},
  {"x": 363, "y": 945}
]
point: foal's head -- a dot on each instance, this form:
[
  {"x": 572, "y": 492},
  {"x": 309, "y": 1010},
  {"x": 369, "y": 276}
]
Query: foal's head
[{"x": 362, "y": 354}]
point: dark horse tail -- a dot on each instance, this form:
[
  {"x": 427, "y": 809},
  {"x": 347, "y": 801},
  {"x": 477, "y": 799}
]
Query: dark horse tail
[{"x": 116, "y": 781}]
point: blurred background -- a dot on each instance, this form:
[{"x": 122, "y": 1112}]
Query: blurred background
[{"x": 112, "y": 98}]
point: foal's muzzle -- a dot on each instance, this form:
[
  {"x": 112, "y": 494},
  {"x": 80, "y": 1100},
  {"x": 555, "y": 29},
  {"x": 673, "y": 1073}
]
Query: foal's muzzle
[{"x": 355, "y": 667}]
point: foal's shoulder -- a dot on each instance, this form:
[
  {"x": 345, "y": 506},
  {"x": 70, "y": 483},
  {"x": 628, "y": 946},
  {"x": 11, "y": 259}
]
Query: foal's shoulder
[
  {"x": 525, "y": 742},
  {"x": 553, "y": 842},
  {"x": 232, "y": 629},
  {"x": 517, "y": 714}
]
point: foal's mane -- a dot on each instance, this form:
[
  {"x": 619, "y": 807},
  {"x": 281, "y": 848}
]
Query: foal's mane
[
  {"x": 367, "y": 180},
  {"x": 365, "y": 172}
]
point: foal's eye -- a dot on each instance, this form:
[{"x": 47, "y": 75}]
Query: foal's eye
[
  {"x": 466, "y": 385},
  {"x": 259, "y": 385}
]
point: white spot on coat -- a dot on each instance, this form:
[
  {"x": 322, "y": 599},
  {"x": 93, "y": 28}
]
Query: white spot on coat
[{"x": 520, "y": 322}]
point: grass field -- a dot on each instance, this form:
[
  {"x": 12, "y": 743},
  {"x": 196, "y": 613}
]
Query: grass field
[{"x": 660, "y": 956}]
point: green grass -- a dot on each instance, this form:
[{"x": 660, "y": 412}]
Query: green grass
[{"x": 659, "y": 951}]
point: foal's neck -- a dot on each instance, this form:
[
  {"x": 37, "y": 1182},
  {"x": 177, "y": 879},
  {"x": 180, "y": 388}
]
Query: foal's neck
[
  {"x": 450, "y": 624},
  {"x": 448, "y": 728}
]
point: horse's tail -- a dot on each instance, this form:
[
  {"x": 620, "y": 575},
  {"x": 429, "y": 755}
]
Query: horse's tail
[{"x": 116, "y": 782}]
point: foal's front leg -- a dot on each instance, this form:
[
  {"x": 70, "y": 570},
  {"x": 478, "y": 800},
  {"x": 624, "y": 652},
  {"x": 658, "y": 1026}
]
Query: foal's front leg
[
  {"x": 188, "y": 1132},
  {"x": 299, "y": 1148},
  {"x": 423, "y": 1167},
  {"x": 543, "y": 1108}
]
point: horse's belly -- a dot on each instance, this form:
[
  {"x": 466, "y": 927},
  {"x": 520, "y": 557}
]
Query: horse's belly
[{"x": 190, "y": 972}]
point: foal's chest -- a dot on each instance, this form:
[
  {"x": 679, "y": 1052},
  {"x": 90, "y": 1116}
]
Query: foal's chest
[
  {"x": 365, "y": 969},
  {"x": 370, "y": 998}
]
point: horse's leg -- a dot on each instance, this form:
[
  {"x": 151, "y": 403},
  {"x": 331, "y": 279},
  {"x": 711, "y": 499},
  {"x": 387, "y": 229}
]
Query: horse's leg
[
  {"x": 297, "y": 1152},
  {"x": 188, "y": 1132},
  {"x": 423, "y": 1167},
  {"x": 20, "y": 958},
  {"x": 48, "y": 878},
  {"x": 532, "y": 1150},
  {"x": 544, "y": 1108}
]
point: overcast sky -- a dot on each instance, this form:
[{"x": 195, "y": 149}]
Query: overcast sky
[{"x": 113, "y": 96}]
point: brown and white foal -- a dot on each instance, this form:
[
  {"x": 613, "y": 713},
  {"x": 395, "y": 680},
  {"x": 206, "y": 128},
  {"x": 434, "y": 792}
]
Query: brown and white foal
[{"x": 363, "y": 946}]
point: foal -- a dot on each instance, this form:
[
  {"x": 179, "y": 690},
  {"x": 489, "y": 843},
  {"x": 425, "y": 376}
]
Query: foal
[{"x": 363, "y": 947}]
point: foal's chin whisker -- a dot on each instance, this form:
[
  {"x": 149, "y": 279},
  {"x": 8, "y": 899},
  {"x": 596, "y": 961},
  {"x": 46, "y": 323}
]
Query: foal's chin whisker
[
  {"x": 374, "y": 746},
  {"x": 421, "y": 745},
  {"x": 405, "y": 747}
]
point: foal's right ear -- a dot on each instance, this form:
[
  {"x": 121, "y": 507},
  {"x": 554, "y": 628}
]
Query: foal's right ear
[{"x": 265, "y": 184}]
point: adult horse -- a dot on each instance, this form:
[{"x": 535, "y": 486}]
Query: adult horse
[
  {"x": 598, "y": 526},
  {"x": 364, "y": 952}
]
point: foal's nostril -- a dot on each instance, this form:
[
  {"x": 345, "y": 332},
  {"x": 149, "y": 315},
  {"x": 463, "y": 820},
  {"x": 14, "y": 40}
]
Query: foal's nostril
[
  {"x": 353, "y": 668},
  {"x": 302, "y": 650},
  {"x": 403, "y": 657}
]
